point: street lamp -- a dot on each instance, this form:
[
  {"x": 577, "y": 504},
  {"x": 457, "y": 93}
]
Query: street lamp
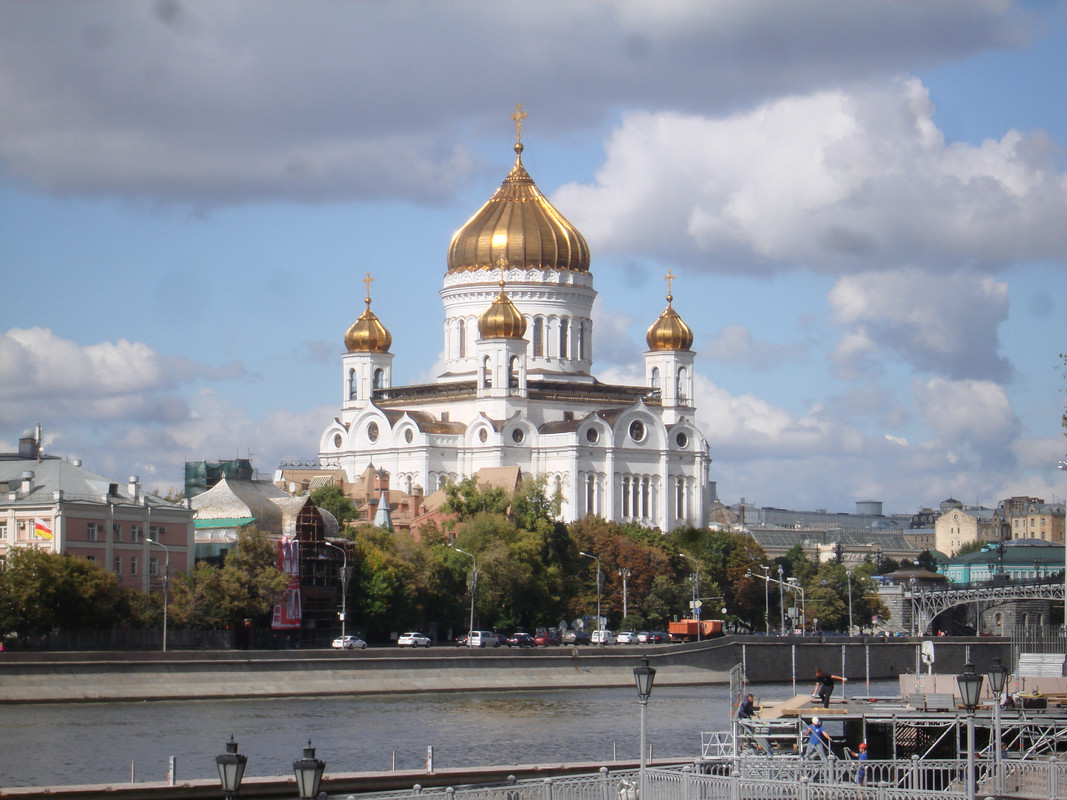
[
  {"x": 344, "y": 584},
  {"x": 696, "y": 591},
  {"x": 767, "y": 597},
  {"x": 597, "y": 560},
  {"x": 308, "y": 771},
  {"x": 794, "y": 584},
  {"x": 644, "y": 676},
  {"x": 166, "y": 583},
  {"x": 998, "y": 676},
  {"x": 625, "y": 574},
  {"x": 473, "y": 583},
  {"x": 848, "y": 574},
  {"x": 231, "y": 766},
  {"x": 970, "y": 684},
  {"x": 781, "y": 598}
]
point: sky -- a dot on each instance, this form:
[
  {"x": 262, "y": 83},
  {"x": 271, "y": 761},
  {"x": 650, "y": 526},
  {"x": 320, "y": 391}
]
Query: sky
[{"x": 864, "y": 205}]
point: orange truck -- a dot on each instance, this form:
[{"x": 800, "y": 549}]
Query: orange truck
[{"x": 685, "y": 630}]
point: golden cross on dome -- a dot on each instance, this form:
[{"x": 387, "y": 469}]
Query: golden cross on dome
[
  {"x": 368, "y": 281},
  {"x": 669, "y": 277},
  {"x": 518, "y": 116}
]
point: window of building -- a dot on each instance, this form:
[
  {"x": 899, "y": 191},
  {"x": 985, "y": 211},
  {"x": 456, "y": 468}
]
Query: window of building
[
  {"x": 136, "y": 533},
  {"x": 379, "y": 378},
  {"x": 157, "y": 532},
  {"x": 564, "y": 338},
  {"x": 539, "y": 338},
  {"x": 487, "y": 373},
  {"x": 579, "y": 336},
  {"x": 462, "y": 326},
  {"x": 513, "y": 373},
  {"x": 116, "y": 532},
  {"x": 153, "y": 567},
  {"x": 352, "y": 391},
  {"x": 654, "y": 378},
  {"x": 3, "y": 530},
  {"x": 90, "y": 532},
  {"x": 118, "y": 565},
  {"x": 133, "y": 565},
  {"x": 91, "y": 559}
]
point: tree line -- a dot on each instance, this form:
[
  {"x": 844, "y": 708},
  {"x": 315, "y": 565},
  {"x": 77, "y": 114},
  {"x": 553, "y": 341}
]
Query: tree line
[{"x": 531, "y": 572}]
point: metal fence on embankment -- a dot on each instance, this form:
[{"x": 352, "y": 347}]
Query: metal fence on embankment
[{"x": 784, "y": 778}]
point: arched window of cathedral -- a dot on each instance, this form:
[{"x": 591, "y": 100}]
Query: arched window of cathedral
[
  {"x": 653, "y": 379},
  {"x": 589, "y": 498},
  {"x": 487, "y": 373},
  {"x": 683, "y": 383},
  {"x": 539, "y": 338},
  {"x": 379, "y": 378},
  {"x": 462, "y": 330},
  {"x": 646, "y": 509},
  {"x": 559, "y": 486},
  {"x": 564, "y": 335},
  {"x": 679, "y": 498},
  {"x": 579, "y": 336},
  {"x": 353, "y": 386},
  {"x": 513, "y": 373}
]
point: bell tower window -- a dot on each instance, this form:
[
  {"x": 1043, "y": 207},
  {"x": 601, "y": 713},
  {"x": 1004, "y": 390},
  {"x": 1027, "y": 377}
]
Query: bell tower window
[{"x": 539, "y": 338}]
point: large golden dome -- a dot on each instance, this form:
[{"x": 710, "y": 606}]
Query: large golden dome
[
  {"x": 669, "y": 332},
  {"x": 367, "y": 334},
  {"x": 519, "y": 227},
  {"x": 501, "y": 320}
]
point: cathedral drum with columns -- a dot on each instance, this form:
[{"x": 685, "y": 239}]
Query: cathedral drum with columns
[{"x": 517, "y": 387}]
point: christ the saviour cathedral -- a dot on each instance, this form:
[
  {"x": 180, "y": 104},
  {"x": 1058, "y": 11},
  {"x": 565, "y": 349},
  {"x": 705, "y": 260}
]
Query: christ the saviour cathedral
[{"x": 517, "y": 388}]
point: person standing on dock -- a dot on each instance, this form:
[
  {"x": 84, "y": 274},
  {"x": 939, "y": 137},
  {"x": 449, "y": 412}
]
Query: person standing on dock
[
  {"x": 824, "y": 686},
  {"x": 861, "y": 756},
  {"x": 818, "y": 740}
]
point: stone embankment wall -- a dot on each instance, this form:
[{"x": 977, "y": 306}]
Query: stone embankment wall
[{"x": 87, "y": 677}]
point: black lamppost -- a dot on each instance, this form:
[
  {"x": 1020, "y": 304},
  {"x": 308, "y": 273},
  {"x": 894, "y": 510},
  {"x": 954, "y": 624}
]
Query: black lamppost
[
  {"x": 308, "y": 771},
  {"x": 166, "y": 587},
  {"x": 344, "y": 586},
  {"x": 231, "y": 766},
  {"x": 970, "y": 684},
  {"x": 644, "y": 676}
]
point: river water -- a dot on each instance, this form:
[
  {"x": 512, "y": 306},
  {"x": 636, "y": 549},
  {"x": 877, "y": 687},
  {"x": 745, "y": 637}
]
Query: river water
[{"x": 64, "y": 744}]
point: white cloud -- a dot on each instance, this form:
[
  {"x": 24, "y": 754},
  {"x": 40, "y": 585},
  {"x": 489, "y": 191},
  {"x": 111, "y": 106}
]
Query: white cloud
[
  {"x": 838, "y": 180},
  {"x": 212, "y": 103},
  {"x": 946, "y": 324},
  {"x": 735, "y": 344},
  {"x": 970, "y": 420}
]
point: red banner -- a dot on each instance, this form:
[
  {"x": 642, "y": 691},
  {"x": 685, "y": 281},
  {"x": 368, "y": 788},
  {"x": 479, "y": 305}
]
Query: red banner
[{"x": 287, "y": 612}]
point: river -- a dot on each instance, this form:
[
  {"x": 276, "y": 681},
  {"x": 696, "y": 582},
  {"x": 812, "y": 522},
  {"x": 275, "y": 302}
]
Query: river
[{"x": 66, "y": 744}]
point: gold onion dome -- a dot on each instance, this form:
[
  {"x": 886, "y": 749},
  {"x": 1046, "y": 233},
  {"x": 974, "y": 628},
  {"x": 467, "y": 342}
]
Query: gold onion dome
[
  {"x": 669, "y": 332},
  {"x": 367, "y": 334},
  {"x": 518, "y": 225},
  {"x": 501, "y": 320}
]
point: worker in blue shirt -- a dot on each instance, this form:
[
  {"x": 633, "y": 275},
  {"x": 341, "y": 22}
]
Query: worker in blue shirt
[{"x": 818, "y": 740}]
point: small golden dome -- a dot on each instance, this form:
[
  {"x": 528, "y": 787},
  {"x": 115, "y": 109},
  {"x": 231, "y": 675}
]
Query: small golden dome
[
  {"x": 519, "y": 226},
  {"x": 669, "y": 332},
  {"x": 367, "y": 334},
  {"x": 502, "y": 320}
]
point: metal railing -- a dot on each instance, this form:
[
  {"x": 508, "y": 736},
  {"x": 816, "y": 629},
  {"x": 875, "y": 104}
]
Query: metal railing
[{"x": 786, "y": 778}]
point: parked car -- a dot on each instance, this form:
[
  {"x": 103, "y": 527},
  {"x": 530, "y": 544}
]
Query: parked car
[
  {"x": 482, "y": 639},
  {"x": 575, "y": 637},
  {"x": 546, "y": 639},
  {"x": 659, "y": 637},
  {"x": 642, "y": 637},
  {"x": 520, "y": 639},
  {"x": 349, "y": 643},
  {"x": 461, "y": 640},
  {"x": 413, "y": 639},
  {"x": 501, "y": 639},
  {"x": 604, "y": 637},
  {"x": 626, "y": 637}
]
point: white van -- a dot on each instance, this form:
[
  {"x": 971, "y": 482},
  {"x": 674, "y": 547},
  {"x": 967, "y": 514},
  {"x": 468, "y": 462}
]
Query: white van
[
  {"x": 482, "y": 639},
  {"x": 604, "y": 637}
]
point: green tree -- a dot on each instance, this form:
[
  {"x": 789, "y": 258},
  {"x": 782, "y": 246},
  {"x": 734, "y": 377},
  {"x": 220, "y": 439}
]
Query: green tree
[
  {"x": 246, "y": 586},
  {"x": 334, "y": 500},
  {"x": 41, "y": 592}
]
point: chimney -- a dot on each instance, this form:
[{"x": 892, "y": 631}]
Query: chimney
[
  {"x": 29, "y": 447},
  {"x": 27, "y": 483},
  {"x": 133, "y": 489}
]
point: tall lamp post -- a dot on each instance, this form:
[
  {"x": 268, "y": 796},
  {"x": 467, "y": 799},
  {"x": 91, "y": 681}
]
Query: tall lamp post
[
  {"x": 696, "y": 590},
  {"x": 644, "y": 676},
  {"x": 794, "y": 584},
  {"x": 781, "y": 598},
  {"x": 970, "y": 684},
  {"x": 597, "y": 560},
  {"x": 998, "y": 676},
  {"x": 848, "y": 574},
  {"x": 308, "y": 771},
  {"x": 231, "y": 766},
  {"x": 767, "y": 597},
  {"x": 166, "y": 587},
  {"x": 473, "y": 582},
  {"x": 344, "y": 584},
  {"x": 625, "y": 574}
]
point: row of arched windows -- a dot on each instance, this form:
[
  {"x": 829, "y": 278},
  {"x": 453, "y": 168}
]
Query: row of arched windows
[
  {"x": 377, "y": 382},
  {"x": 681, "y": 384},
  {"x": 551, "y": 337}
]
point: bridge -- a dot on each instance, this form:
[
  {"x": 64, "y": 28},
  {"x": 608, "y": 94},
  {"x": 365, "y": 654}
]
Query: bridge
[{"x": 929, "y": 601}]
